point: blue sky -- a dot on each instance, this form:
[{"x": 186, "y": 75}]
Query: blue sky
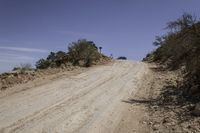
[{"x": 30, "y": 29}]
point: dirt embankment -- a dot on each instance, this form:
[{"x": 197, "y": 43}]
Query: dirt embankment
[
  {"x": 169, "y": 110},
  {"x": 159, "y": 105},
  {"x": 13, "y": 78},
  {"x": 10, "y": 79}
]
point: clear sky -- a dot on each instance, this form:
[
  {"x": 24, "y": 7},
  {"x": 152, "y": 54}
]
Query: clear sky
[{"x": 30, "y": 29}]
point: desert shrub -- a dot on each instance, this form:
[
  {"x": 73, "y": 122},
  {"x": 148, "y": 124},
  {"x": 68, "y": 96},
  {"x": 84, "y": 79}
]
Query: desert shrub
[
  {"x": 26, "y": 66},
  {"x": 23, "y": 67},
  {"x": 16, "y": 69},
  {"x": 52, "y": 60},
  {"x": 149, "y": 57},
  {"x": 42, "y": 64},
  {"x": 83, "y": 51},
  {"x": 61, "y": 58}
]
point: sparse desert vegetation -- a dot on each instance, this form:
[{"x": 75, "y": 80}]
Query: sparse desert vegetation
[
  {"x": 177, "y": 54},
  {"x": 179, "y": 49},
  {"x": 82, "y": 53}
]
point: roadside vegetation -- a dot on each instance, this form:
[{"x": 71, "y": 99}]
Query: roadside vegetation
[
  {"x": 23, "y": 67},
  {"x": 177, "y": 55},
  {"x": 81, "y": 53},
  {"x": 179, "y": 49}
]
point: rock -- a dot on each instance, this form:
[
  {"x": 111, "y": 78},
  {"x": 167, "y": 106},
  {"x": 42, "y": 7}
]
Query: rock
[
  {"x": 68, "y": 64},
  {"x": 4, "y": 87},
  {"x": 155, "y": 127},
  {"x": 191, "y": 107},
  {"x": 165, "y": 120},
  {"x": 196, "y": 111},
  {"x": 16, "y": 74},
  {"x": 189, "y": 127},
  {"x": 194, "y": 89},
  {"x": 1, "y": 85},
  {"x": 63, "y": 66}
]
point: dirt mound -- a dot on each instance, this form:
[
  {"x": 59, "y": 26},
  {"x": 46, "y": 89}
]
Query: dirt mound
[
  {"x": 10, "y": 79},
  {"x": 103, "y": 60},
  {"x": 171, "y": 110},
  {"x": 13, "y": 78}
]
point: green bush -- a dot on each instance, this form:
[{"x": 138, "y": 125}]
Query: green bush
[
  {"x": 83, "y": 51},
  {"x": 176, "y": 47},
  {"x": 42, "y": 64}
]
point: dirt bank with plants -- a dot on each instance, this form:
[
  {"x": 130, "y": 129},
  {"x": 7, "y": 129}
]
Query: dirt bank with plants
[
  {"x": 80, "y": 55},
  {"x": 178, "y": 51}
]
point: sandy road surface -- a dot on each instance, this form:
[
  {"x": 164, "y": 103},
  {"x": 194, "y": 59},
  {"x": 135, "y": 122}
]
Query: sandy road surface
[{"x": 88, "y": 102}]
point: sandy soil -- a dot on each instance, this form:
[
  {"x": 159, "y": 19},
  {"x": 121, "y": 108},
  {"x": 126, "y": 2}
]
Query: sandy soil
[{"x": 94, "y": 101}]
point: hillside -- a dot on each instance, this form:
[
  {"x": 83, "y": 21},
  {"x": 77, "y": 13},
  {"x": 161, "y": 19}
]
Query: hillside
[{"x": 177, "y": 51}]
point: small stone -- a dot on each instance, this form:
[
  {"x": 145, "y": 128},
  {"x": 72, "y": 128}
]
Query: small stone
[
  {"x": 196, "y": 111},
  {"x": 164, "y": 120},
  {"x": 155, "y": 127},
  {"x": 1, "y": 85},
  {"x": 194, "y": 90},
  {"x": 4, "y": 87}
]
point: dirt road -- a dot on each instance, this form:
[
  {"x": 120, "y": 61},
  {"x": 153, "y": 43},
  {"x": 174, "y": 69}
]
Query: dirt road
[{"x": 88, "y": 102}]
